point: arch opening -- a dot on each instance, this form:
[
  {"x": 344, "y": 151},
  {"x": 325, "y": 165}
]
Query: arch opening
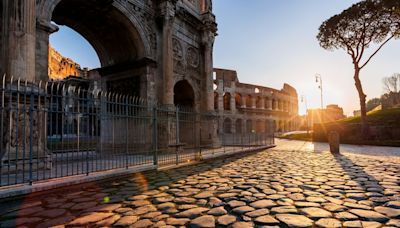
[
  {"x": 183, "y": 94},
  {"x": 115, "y": 39}
]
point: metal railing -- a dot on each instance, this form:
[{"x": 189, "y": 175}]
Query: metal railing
[{"x": 55, "y": 129}]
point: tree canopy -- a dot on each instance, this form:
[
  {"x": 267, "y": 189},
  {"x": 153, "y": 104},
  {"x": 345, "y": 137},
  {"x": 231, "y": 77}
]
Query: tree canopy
[{"x": 356, "y": 28}]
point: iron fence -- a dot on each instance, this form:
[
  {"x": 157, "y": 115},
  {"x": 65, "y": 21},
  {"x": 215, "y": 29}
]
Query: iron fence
[{"x": 55, "y": 129}]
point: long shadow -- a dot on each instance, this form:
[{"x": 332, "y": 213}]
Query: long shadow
[
  {"x": 111, "y": 190},
  {"x": 356, "y": 172}
]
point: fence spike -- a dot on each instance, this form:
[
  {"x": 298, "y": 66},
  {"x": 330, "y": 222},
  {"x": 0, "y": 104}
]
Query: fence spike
[
  {"x": 18, "y": 84},
  {"x": 4, "y": 81}
]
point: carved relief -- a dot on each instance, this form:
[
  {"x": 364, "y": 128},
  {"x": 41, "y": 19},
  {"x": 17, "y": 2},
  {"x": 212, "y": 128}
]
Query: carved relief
[
  {"x": 192, "y": 57},
  {"x": 177, "y": 49},
  {"x": 179, "y": 66}
]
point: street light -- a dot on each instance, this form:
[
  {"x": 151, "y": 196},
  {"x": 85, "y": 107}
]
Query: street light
[
  {"x": 318, "y": 79},
  {"x": 304, "y": 99}
]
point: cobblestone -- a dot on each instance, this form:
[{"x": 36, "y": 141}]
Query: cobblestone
[{"x": 274, "y": 188}]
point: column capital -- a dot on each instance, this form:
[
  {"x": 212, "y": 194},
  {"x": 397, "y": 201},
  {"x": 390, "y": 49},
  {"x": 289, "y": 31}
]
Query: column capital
[{"x": 46, "y": 26}]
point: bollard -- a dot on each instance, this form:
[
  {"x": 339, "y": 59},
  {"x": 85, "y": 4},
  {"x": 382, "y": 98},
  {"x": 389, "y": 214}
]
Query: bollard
[{"x": 334, "y": 142}]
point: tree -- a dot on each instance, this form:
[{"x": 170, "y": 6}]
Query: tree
[
  {"x": 355, "y": 29},
  {"x": 390, "y": 84}
]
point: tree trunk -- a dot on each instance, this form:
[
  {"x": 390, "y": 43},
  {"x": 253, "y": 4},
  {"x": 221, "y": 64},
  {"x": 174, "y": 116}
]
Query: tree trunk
[{"x": 362, "y": 96}]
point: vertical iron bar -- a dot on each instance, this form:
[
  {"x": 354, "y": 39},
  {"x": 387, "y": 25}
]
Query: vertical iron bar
[
  {"x": 155, "y": 136},
  {"x": 30, "y": 137}
]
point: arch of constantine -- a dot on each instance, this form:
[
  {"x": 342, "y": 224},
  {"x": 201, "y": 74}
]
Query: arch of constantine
[{"x": 154, "y": 44}]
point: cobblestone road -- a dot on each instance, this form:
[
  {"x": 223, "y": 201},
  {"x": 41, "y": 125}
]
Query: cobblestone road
[{"x": 288, "y": 186}]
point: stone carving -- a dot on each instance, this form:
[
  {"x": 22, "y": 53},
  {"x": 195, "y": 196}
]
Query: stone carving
[
  {"x": 192, "y": 57},
  {"x": 177, "y": 49}
]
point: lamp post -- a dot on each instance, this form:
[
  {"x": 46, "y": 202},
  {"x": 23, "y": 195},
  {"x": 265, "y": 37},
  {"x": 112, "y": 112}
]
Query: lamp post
[
  {"x": 304, "y": 99},
  {"x": 318, "y": 79}
]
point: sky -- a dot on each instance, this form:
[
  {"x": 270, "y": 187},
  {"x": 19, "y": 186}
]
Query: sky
[{"x": 272, "y": 42}]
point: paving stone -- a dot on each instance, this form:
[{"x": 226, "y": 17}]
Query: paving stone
[
  {"x": 215, "y": 202},
  {"x": 291, "y": 220},
  {"x": 236, "y": 203},
  {"x": 142, "y": 223},
  {"x": 204, "y": 195},
  {"x": 242, "y": 225},
  {"x": 263, "y": 204},
  {"x": 203, "y": 221},
  {"x": 306, "y": 204},
  {"x": 393, "y": 204},
  {"x": 366, "y": 224},
  {"x": 266, "y": 220},
  {"x": 353, "y": 224},
  {"x": 394, "y": 222},
  {"x": 108, "y": 221},
  {"x": 53, "y": 213},
  {"x": 126, "y": 220},
  {"x": 315, "y": 212},
  {"x": 243, "y": 209},
  {"x": 369, "y": 215},
  {"x": 177, "y": 221},
  {"x": 328, "y": 222},
  {"x": 55, "y": 221},
  {"x": 90, "y": 218},
  {"x": 345, "y": 216},
  {"x": 191, "y": 213},
  {"x": 257, "y": 213},
  {"x": 218, "y": 211},
  {"x": 226, "y": 220},
  {"x": 332, "y": 207},
  {"x": 284, "y": 210}
]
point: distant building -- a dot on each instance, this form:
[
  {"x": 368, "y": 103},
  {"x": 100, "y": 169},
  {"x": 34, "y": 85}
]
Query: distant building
[
  {"x": 245, "y": 108},
  {"x": 330, "y": 113},
  {"x": 61, "y": 67}
]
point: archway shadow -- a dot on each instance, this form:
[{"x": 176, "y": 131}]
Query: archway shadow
[
  {"x": 357, "y": 173},
  {"x": 110, "y": 191}
]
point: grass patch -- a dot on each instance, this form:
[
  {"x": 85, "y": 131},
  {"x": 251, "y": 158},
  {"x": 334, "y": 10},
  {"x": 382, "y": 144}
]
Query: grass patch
[{"x": 388, "y": 117}]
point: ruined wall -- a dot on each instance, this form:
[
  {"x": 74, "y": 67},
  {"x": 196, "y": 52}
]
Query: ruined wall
[{"x": 61, "y": 67}]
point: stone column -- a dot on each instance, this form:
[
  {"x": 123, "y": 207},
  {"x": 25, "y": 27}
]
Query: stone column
[
  {"x": 253, "y": 102},
  {"x": 269, "y": 104},
  {"x": 168, "y": 15},
  {"x": 43, "y": 30},
  {"x": 208, "y": 38},
  {"x": 19, "y": 35},
  {"x": 244, "y": 101},
  {"x": 262, "y": 101},
  {"x": 233, "y": 98}
]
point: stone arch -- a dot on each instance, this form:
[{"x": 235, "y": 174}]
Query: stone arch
[
  {"x": 45, "y": 10},
  {"x": 260, "y": 128},
  {"x": 266, "y": 103},
  {"x": 227, "y": 126},
  {"x": 249, "y": 126},
  {"x": 249, "y": 101},
  {"x": 274, "y": 104},
  {"x": 184, "y": 94},
  {"x": 267, "y": 126},
  {"x": 238, "y": 100},
  {"x": 238, "y": 125},
  {"x": 259, "y": 103},
  {"x": 227, "y": 101}
]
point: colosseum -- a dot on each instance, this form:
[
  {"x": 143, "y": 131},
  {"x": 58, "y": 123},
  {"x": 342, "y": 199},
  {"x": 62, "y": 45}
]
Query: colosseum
[{"x": 245, "y": 108}]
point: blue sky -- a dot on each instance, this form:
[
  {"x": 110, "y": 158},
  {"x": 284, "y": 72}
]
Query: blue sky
[{"x": 271, "y": 42}]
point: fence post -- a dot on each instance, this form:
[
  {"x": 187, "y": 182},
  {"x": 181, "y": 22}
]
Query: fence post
[
  {"x": 155, "y": 137},
  {"x": 30, "y": 137},
  {"x": 177, "y": 135},
  {"x": 126, "y": 130}
]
